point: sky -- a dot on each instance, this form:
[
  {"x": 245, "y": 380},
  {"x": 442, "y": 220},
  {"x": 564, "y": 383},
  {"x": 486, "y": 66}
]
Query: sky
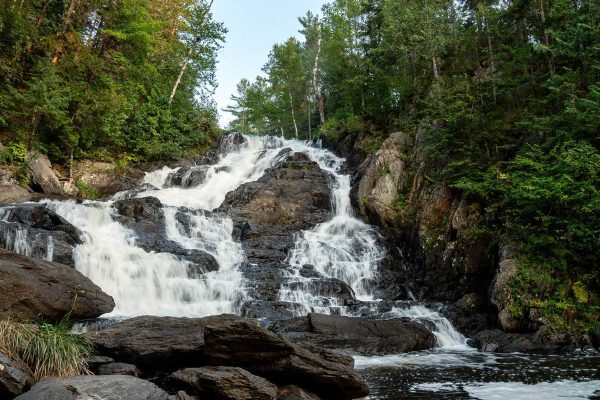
[{"x": 254, "y": 27}]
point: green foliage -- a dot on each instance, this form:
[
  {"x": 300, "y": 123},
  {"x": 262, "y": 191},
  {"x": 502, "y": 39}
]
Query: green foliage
[
  {"x": 84, "y": 83},
  {"x": 48, "y": 350},
  {"x": 504, "y": 100}
]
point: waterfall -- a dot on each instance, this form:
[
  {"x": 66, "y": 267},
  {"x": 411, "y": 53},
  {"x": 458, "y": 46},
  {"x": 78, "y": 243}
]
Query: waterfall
[
  {"x": 343, "y": 248},
  {"x": 342, "y": 251}
]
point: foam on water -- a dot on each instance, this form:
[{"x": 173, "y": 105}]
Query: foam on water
[{"x": 558, "y": 390}]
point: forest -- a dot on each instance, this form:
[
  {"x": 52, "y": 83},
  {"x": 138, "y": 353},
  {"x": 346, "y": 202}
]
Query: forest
[
  {"x": 111, "y": 80},
  {"x": 508, "y": 94}
]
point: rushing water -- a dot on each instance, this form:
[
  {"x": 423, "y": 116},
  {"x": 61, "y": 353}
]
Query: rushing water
[{"x": 344, "y": 248}]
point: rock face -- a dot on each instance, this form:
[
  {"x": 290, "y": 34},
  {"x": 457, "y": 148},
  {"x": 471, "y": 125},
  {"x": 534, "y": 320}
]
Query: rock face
[
  {"x": 95, "y": 387},
  {"x": 290, "y": 197},
  {"x": 37, "y": 231},
  {"x": 14, "y": 377},
  {"x": 42, "y": 174},
  {"x": 246, "y": 345},
  {"x": 226, "y": 383},
  {"x": 292, "y": 392},
  {"x": 146, "y": 218},
  {"x": 501, "y": 292},
  {"x": 162, "y": 345},
  {"x": 187, "y": 177},
  {"x": 356, "y": 335},
  {"x": 104, "y": 179},
  {"x": 31, "y": 288}
]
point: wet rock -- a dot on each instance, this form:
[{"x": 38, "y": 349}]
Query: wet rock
[
  {"x": 469, "y": 315},
  {"x": 267, "y": 214},
  {"x": 356, "y": 335},
  {"x": 31, "y": 288},
  {"x": 15, "y": 377},
  {"x": 113, "y": 387},
  {"x": 94, "y": 362},
  {"x": 270, "y": 310},
  {"x": 292, "y": 392},
  {"x": 42, "y": 174},
  {"x": 146, "y": 218},
  {"x": 232, "y": 142},
  {"x": 502, "y": 342},
  {"x": 244, "y": 344},
  {"x": 118, "y": 369},
  {"x": 156, "y": 343},
  {"x": 223, "y": 383},
  {"x": 187, "y": 177},
  {"x": 44, "y": 233}
]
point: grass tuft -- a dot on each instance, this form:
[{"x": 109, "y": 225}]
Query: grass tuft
[{"x": 46, "y": 349}]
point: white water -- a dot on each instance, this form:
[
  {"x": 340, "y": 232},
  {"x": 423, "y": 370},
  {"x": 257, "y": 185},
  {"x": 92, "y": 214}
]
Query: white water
[{"x": 343, "y": 248}]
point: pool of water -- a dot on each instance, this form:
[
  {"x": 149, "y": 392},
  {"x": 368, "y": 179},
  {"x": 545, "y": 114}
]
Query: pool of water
[{"x": 470, "y": 374}]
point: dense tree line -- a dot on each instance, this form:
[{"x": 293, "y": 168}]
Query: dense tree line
[
  {"x": 107, "y": 79},
  {"x": 508, "y": 93}
]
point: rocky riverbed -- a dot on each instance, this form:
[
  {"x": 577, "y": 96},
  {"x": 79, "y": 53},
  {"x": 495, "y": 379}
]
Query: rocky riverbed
[{"x": 247, "y": 275}]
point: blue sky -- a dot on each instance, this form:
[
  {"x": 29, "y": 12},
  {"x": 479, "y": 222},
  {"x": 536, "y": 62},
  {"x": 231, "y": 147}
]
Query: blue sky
[{"x": 254, "y": 26}]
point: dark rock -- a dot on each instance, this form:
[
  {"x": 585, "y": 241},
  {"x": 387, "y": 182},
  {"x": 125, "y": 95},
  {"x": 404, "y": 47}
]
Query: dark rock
[
  {"x": 267, "y": 214},
  {"x": 146, "y": 218},
  {"x": 15, "y": 377},
  {"x": 42, "y": 227},
  {"x": 232, "y": 142},
  {"x": 156, "y": 343},
  {"x": 94, "y": 362},
  {"x": 118, "y": 369},
  {"x": 357, "y": 335},
  {"x": 188, "y": 177},
  {"x": 292, "y": 392},
  {"x": 113, "y": 387},
  {"x": 181, "y": 395},
  {"x": 244, "y": 344},
  {"x": 469, "y": 315},
  {"x": 501, "y": 342},
  {"x": 224, "y": 383},
  {"x": 270, "y": 310},
  {"x": 31, "y": 288}
]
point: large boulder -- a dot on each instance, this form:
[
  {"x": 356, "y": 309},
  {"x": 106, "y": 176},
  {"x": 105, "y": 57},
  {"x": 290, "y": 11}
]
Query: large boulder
[
  {"x": 31, "y": 288},
  {"x": 224, "y": 383},
  {"x": 293, "y": 392},
  {"x": 42, "y": 175},
  {"x": 244, "y": 344},
  {"x": 108, "y": 387},
  {"x": 188, "y": 177},
  {"x": 356, "y": 335},
  {"x": 37, "y": 231},
  {"x": 501, "y": 342},
  {"x": 157, "y": 343},
  {"x": 15, "y": 377}
]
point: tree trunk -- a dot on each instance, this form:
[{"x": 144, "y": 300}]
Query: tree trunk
[
  {"x": 436, "y": 74},
  {"x": 309, "y": 108},
  {"x": 293, "y": 113},
  {"x": 546, "y": 37},
  {"x": 316, "y": 90},
  {"x": 185, "y": 63},
  {"x": 492, "y": 67}
]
